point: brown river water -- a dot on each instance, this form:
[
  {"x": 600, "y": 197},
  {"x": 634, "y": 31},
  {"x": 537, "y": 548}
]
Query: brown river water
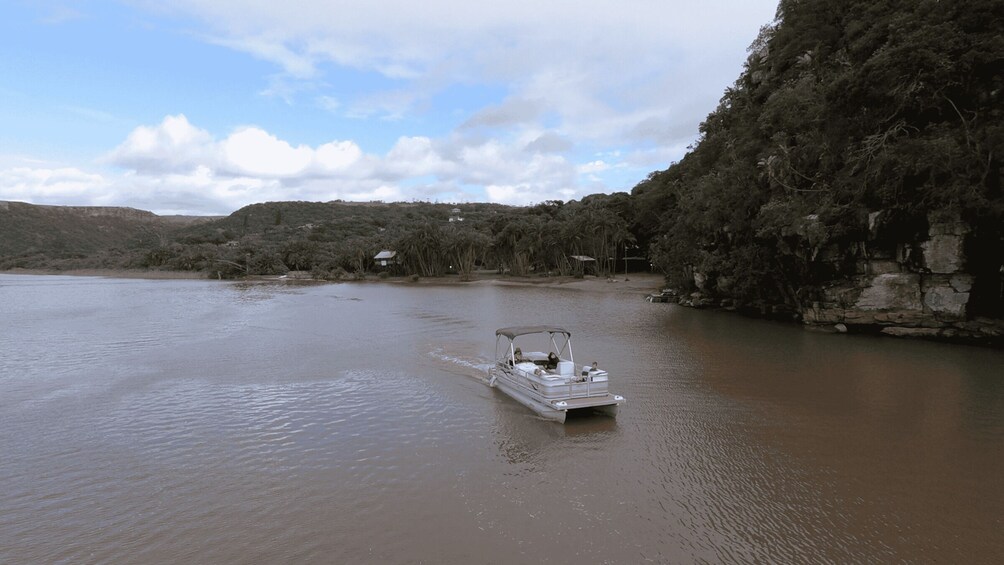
[{"x": 197, "y": 421}]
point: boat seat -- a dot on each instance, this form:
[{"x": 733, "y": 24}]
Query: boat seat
[
  {"x": 566, "y": 368},
  {"x": 526, "y": 366}
]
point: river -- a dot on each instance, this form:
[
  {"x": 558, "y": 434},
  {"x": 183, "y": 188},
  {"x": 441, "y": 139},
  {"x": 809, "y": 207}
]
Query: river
[{"x": 199, "y": 421}]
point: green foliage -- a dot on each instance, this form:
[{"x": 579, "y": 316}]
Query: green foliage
[{"x": 331, "y": 240}]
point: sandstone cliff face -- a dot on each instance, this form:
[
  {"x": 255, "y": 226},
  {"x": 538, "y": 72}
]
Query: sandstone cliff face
[
  {"x": 102, "y": 212},
  {"x": 924, "y": 291},
  {"x": 82, "y": 211},
  {"x": 919, "y": 288}
]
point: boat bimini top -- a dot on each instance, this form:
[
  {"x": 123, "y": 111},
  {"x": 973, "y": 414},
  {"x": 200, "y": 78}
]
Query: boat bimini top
[
  {"x": 505, "y": 350},
  {"x": 516, "y": 331}
]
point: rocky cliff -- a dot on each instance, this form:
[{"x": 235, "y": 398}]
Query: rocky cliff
[
  {"x": 922, "y": 287},
  {"x": 852, "y": 176},
  {"x": 121, "y": 212}
]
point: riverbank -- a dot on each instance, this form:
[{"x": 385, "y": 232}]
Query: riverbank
[{"x": 641, "y": 283}]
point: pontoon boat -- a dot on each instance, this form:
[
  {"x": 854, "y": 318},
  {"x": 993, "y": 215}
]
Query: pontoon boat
[{"x": 546, "y": 379}]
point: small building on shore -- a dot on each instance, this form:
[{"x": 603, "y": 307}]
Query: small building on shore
[
  {"x": 582, "y": 263},
  {"x": 386, "y": 258}
]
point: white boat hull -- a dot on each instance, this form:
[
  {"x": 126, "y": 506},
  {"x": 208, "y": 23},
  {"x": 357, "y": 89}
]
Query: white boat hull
[{"x": 555, "y": 400}]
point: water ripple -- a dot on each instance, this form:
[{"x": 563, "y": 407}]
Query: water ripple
[{"x": 209, "y": 422}]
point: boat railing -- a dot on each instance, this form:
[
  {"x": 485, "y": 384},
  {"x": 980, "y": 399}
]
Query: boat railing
[
  {"x": 577, "y": 386},
  {"x": 586, "y": 380},
  {"x": 571, "y": 389}
]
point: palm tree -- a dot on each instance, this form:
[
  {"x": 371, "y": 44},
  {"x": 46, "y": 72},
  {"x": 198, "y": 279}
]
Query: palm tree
[{"x": 465, "y": 246}]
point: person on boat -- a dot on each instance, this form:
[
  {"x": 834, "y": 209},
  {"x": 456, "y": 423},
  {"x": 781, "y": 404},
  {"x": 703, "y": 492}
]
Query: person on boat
[
  {"x": 587, "y": 368},
  {"x": 552, "y": 361},
  {"x": 519, "y": 355}
]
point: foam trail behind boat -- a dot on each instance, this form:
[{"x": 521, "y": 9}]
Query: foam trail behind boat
[{"x": 476, "y": 367}]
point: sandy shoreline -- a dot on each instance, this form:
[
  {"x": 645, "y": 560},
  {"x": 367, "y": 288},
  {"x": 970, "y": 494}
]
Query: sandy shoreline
[{"x": 641, "y": 283}]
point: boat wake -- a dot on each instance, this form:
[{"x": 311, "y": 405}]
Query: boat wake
[{"x": 474, "y": 367}]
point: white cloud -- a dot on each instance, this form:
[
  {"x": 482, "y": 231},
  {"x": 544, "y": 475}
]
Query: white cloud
[
  {"x": 295, "y": 63},
  {"x": 603, "y": 68},
  {"x": 179, "y": 162},
  {"x": 549, "y": 142},
  {"x": 593, "y": 167},
  {"x": 568, "y": 98},
  {"x": 385, "y": 193},
  {"x": 176, "y": 146},
  {"x": 416, "y": 157},
  {"x": 513, "y": 111},
  {"x": 50, "y": 185},
  {"x": 173, "y": 145},
  {"x": 512, "y": 194},
  {"x": 254, "y": 151},
  {"x": 336, "y": 156}
]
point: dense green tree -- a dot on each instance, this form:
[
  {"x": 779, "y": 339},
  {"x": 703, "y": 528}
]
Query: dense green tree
[
  {"x": 465, "y": 247},
  {"x": 299, "y": 254}
]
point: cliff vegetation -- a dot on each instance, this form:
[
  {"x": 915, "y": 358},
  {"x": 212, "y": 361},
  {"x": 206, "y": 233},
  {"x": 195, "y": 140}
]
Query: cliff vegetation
[{"x": 852, "y": 174}]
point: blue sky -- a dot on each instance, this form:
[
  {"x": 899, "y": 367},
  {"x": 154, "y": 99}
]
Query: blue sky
[{"x": 204, "y": 107}]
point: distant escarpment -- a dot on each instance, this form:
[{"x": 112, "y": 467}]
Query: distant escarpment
[
  {"x": 66, "y": 237},
  {"x": 851, "y": 178}
]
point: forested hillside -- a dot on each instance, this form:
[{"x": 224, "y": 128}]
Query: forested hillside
[
  {"x": 339, "y": 239},
  {"x": 335, "y": 240},
  {"x": 67, "y": 237},
  {"x": 864, "y": 139}
]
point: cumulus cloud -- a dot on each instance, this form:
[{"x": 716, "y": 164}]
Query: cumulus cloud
[
  {"x": 510, "y": 194},
  {"x": 254, "y": 151},
  {"x": 415, "y": 157},
  {"x": 176, "y": 146},
  {"x": 336, "y": 156},
  {"x": 173, "y": 145},
  {"x": 164, "y": 166}
]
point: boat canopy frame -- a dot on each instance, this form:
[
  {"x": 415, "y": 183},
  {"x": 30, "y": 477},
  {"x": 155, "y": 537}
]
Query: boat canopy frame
[
  {"x": 516, "y": 331},
  {"x": 508, "y": 354}
]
